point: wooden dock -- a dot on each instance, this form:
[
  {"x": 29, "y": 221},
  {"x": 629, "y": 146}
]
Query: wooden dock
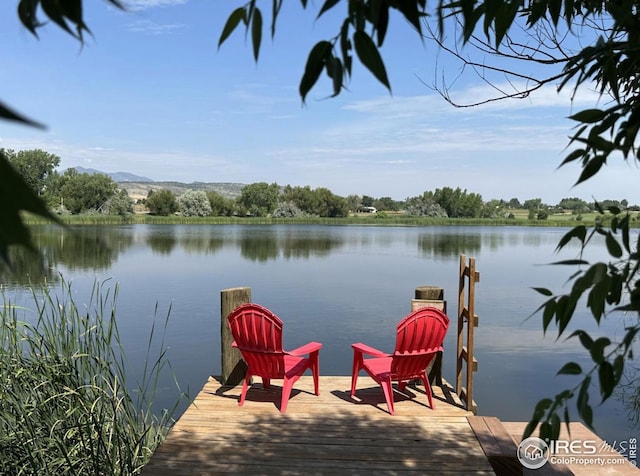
[
  {"x": 326, "y": 434},
  {"x": 329, "y": 434}
]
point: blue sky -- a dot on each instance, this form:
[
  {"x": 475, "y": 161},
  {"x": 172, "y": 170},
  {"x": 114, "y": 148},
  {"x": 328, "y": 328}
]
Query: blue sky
[{"x": 150, "y": 93}]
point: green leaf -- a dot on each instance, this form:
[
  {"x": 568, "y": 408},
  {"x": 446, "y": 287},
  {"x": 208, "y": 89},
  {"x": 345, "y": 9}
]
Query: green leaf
[
  {"x": 554, "y": 10},
  {"x": 547, "y": 315},
  {"x": 345, "y": 46},
  {"x": 588, "y": 116},
  {"x": 555, "y": 426},
  {"x": 328, "y": 5},
  {"x": 411, "y": 13},
  {"x": 541, "y": 407},
  {"x": 233, "y": 21},
  {"x": 27, "y": 12},
  {"x": 256, "y": 33},
  {"x": 597, "y": 349},
  {"x": 11, "y": 115},
  {"x": 370, "y": 57},
  {"x": 618, "y": 369},
  {"x": 574, "y": 155},
  {"x": 312, "y": 70},
  {"x": 275, "y": 11},
  {"x": 546, "y": 431},
  {"x": 16, "y": 196},
  {"x": 579, "y": 232},
  {"x": 383, "y": 23},
  {"x": 584, "y": 409},
  {"x": 570, "y": 262},
  {"x": 538, "y": 413},
  {"x": 613, "y": 246},
  {"x": 337, "y": 72},
  {"x": 570, "y": 368},
  {"x": 543, "y": 291},
  {"x": 606, "y": 379},
  {"x": 504, "y": 19},
  {"x": 591, "y": 168},
  {"x": 564, "y": 312},
  {"x": 585, "y": 339}
]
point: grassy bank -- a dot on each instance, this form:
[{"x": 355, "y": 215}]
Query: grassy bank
[
  {"x": 67, "y": 405},
  {"x": 381, "y": 219}
]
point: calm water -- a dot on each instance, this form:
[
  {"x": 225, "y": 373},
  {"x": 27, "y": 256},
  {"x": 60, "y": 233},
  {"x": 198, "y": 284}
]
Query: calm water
[{"x": 336, "y": 285}]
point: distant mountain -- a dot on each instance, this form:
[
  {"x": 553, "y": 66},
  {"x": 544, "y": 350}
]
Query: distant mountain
[
  {"x": 139, "y": 187},
  {"x": 118, "y": 177},
  {"x": 138, "y": 190}
]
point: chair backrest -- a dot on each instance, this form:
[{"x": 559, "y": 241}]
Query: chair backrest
[
  {"x": 419, "y": 338},
  {"x": 257, "y": 333}
]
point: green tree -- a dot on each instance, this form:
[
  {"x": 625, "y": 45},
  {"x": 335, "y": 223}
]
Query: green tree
[
  {"x": 194, "y": 203},
  {"x": 354, "y": 202},
  {"x": 493, "y": 209},
  {"x": 162, "y": 202},
  {"x": 575, "y": 204},
  {"x": 387, "y": 204},
  {"x": 85, "y": 192},
  {"x": 329, "y": 204},
  {"x": 220, "y": 206},
  {"x": 302, "y": 197},
  {"x": 287, "y": 210},
  {"x": 320, "y": 201},
  {"x": 514, "y": 203},
  {"x": 36, "y": 166},
  {"x": 425, "y": 205},
  {"x": 367, "y": 201},
  {"x": 260, "y": 198},
  {"x": 458, "y": 203},
  {"x": 119, "y": 204}
]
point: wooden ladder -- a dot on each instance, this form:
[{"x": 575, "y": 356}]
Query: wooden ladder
[{"x": 466, "y": 317}]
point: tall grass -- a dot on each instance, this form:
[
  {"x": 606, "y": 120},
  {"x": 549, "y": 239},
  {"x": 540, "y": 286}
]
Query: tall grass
[
  {"x": 380, "y": 219},
  {"x": 66, "y": 406}
]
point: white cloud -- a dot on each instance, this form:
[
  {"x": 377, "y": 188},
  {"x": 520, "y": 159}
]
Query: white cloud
[
  {"x": 152, "y": 28},
  {"x": 138, "y": 5}
]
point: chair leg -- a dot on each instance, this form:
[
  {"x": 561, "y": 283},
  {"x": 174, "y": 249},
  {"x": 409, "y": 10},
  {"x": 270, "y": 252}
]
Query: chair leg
[
  {"x": 286, "y": 393},
  {"x": 315, "y": 370},
  {"x": 427, "y": 389},
  {"x": 355, "y": 369},
  {"x": 387, "y": 388},
  {"x": 245, "y": 387},
  {"x": 266, "y": 383}
]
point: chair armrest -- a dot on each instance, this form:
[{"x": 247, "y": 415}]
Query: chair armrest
[
  {"x": 306, "y": 349},
  {"x": 365, "y": 349}
]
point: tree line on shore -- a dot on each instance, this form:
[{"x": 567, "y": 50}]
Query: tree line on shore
[{"x": 74, "y": 193}]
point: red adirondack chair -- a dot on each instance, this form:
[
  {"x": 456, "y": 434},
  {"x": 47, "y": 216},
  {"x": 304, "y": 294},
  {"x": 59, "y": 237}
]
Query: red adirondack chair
[
  {"x": 258, "y": 335},
  {"x": 419, "y": 338}
]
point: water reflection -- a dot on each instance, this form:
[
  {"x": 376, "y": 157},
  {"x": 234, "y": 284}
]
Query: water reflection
[
  {"x": 162, "y": 242},
  {"x": 76, "y": 249},
  {"x": 447, "y": 245}
]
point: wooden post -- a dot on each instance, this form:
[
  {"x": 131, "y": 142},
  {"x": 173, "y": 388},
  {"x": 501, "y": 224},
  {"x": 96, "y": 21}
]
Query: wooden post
[
  {"x": 233, "y": 367},
  {"x": 431, "y": 296}
]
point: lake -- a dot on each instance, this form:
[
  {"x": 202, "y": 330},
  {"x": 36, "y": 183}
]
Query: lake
[{"x": 336, "y": 285}]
